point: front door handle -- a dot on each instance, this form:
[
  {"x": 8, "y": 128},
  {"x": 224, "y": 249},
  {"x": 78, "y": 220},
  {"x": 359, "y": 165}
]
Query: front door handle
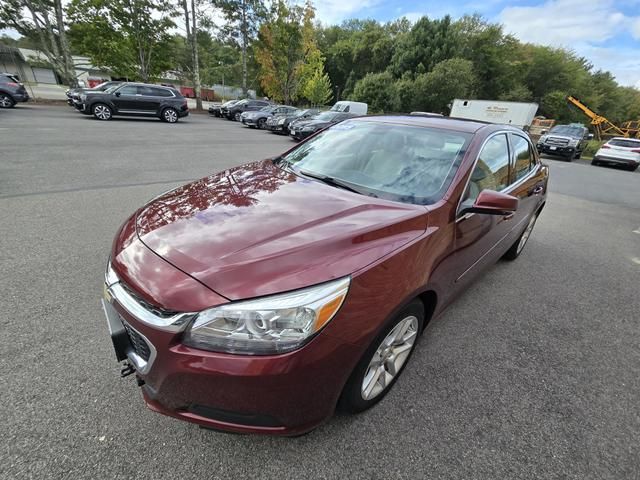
[{"x": 537, "y": 190}]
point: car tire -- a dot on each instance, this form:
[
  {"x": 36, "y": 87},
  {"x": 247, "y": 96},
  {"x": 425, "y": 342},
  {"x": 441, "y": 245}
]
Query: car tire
[
  {"x": 518, "y": 246},
  {"x": 7, "y": 101},
  {"x": 102, "y": 111},
  {"x": 571, "y": 156},
  {"x": 261, "y": 123},
  {"x": 385, "y": 359},
  {"x": 236, "y": 116},
  {"x": 632, "y": 168},
  {"x": 595, "y": 162},
  {"x": 169, "y": 115}
]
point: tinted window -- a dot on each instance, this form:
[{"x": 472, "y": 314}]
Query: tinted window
[
  {"x": 492, "y": 169},
  {"x": 157, "y": 92},
  {"x": 623, "y": 142},
  {"x": 129, "y": 90},
  {"x": 399, "y": 162},
  {"x": 523, "y": 157}
]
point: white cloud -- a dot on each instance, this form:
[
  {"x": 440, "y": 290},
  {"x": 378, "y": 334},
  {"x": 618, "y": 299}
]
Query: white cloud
[{"x": 581, "y": 26}]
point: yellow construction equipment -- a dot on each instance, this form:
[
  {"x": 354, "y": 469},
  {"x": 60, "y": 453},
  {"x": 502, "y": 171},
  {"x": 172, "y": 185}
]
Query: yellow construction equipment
[{"x": 601, "y": 125}]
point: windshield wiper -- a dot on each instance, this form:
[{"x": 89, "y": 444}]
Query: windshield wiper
[{"x": 334, "y": 182}]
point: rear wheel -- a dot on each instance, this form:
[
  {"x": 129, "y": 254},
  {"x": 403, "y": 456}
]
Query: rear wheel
[
  {"x": 384, "y": 360},
  {"x": 102, "y": 111},
  {"x": 6, "y": 101},
  {"x": 516, "y": 249},
  {"x": 169, "y": 115}
]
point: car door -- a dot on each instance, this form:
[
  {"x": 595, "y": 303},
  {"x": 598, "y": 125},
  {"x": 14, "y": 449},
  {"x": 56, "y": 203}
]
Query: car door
[
  {"x": 150, "y": 99},
  {"x": 478, "y": 237},
  {"x": 125, "y": 98},
  {"x": 528, "y": 179}
]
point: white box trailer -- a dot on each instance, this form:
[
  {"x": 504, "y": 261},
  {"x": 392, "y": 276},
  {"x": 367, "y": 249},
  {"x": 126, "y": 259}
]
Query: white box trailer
[{"x": 518, "y": 114}]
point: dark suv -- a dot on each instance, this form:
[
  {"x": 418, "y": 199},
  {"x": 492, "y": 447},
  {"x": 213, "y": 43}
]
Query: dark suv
[
  {"x": 135, "y": 99},
  {"x": 247, "y": 105},
  {"x": 12, "y": 91},
  {"x": 567, "y": 141}
]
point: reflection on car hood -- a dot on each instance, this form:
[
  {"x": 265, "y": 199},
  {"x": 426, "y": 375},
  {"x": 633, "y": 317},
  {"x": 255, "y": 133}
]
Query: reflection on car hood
[
  {"x": 313, "y": 123},
  {"x": 257, "y": 230}
]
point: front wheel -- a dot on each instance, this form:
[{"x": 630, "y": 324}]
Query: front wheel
[
  {"x": 236, "y": 117},
  {"x": 261, "y": 123},
  {"x": 102, "y": 111},
  {"x": 384, "y": 360},
  {"x": 6, "y": 101},
  {"x": 169, "y": 115},
  {"x": 516, "y": 249}
]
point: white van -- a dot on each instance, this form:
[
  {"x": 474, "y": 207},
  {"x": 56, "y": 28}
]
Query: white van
[{"x": 346, "y": 106}]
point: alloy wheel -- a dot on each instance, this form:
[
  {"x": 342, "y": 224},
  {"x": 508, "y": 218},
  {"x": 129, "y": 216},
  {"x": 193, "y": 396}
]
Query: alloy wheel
[
  {"x": 389, "y": 358},
  {"x": 6, "y": 101},
  {"x": 102, "y": 112},
  {"x": 170, "y": 115},
  {"x": 526, "y": 234},
  {"x": 237, "y": 117}
]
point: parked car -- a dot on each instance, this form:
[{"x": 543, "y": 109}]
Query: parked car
[
  {"x": 300, "y": 129},
  {"x": 347, "y": 106},
  {"x": 135, "y": 99},
  {"x": 619, "y": 151},
  {"x": 216, "y": 110},
  {"x": 73, "y": 94},
  {"x": 258, "y": 299},
  {"x": 259, "y": 118},
  {"x": 12, "y": 90},
  {"x": 233, "y": 112},
  {"x": 280, "y": 123},
  {"x": 567, "y": 141}
]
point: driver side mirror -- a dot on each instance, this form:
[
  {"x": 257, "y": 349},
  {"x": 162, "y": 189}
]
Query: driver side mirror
[
  {"x": 490, "y": 202},
  {"x": 118, "y": 94},
  {"x": 590, "y": 136}
]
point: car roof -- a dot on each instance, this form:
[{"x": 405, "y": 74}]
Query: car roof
[
  {"x": 624, "y": 138},
  {"x": 455, "y": 124}
]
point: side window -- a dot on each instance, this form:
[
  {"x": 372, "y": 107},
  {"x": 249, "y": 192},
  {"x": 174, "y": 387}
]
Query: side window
[
  {"x": 492, "y": 168},
  {"x": 128, "y": 90},
  {"x": 522, "y": 155},
  {"x": 158, "y": 92}
]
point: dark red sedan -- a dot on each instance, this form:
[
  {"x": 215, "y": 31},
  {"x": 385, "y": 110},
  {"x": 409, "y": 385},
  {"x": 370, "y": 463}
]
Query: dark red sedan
[{"x": 260, "y": 298}]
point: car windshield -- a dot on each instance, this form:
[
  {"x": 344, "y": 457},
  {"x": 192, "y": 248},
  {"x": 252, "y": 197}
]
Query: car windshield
[
  {"x": 326, "y": 116},
  {"x": 398, "y": 162},
  {"x": 575, "y": 132}
]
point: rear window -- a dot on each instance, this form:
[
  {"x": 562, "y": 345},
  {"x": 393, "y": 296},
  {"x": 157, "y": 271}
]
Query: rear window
[{"x": 624, "y": 142}]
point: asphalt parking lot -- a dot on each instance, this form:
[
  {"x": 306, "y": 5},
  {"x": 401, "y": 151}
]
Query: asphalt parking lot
[{"x": 533, "y": 373}]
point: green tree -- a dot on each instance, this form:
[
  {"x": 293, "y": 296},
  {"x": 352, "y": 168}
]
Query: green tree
[
  {"x": 317, "y": 89},
  {"x": 242, "y": 23},
  {"x": 129, "y": 37},
  {"x": 377, "y": 90},
  {"x": 44, "y": 25}
]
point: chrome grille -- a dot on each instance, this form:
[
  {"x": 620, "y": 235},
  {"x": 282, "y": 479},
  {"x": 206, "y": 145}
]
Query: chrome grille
[{"x": 561, "y": 142}]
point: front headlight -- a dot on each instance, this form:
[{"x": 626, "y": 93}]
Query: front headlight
[
  {"x": 543, "y": 139},
  {"x": 573, "y": 143},
  {"x": 270, "y": 325},
  {"x": 281, "y": 121},
  {"x": 83, "y": 97}
]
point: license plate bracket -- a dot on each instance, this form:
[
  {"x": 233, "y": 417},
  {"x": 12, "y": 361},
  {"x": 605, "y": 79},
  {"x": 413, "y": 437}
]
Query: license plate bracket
[{"x": 119, "y": 336}]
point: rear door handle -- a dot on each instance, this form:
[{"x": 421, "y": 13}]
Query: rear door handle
[{"x": 537, "y": 190}]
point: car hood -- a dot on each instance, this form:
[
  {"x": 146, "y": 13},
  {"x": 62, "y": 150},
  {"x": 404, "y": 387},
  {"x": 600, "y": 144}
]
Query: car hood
[
  {"x": 257, "y": 229},
  {"x": 563, "y": 137}
]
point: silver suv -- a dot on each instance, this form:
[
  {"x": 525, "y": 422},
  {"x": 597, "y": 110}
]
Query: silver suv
[{"x": 568, "y": 141}]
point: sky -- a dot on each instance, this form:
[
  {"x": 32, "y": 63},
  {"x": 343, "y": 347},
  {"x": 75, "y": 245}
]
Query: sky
[{"x": 606, "y": 32}]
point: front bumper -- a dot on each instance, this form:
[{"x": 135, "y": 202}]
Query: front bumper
[
  {"x": 285, "y": 394},
  {"x": 21, "y": 97},
  {"x": 301, "y": 134},
  {"x": 616, "y": 161},
  {"x": 565, "y": 151}
]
